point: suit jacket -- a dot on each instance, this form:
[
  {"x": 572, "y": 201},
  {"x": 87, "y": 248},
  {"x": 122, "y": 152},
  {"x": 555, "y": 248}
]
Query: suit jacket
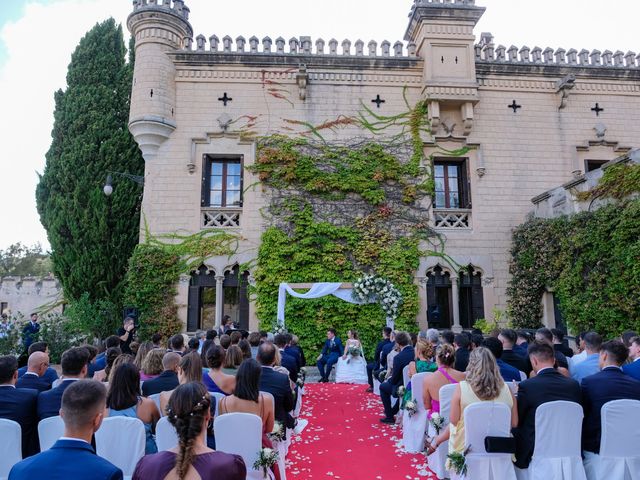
[
  {"x": 548, "y": 386},
  {"x": 462, "y": 359},
  {"x": 376, "y": 356},
  {"x": 277, "y": 384},
  {"x": 50, "y": 375},
  {"x": 521, "y": 350},
  {"x": 515, "y": 360},
  {"x": 633, "y": 369},
  {"x": 337, "y": 348},
  {"x": 386, "y": 350},
  {"x": 49, "y": 402},
  {"x": 164, "y": 382},
  {"x": 295, "y": 353},
  {"x": 509, "y": 373},
  {"x": 564, "y": 349},
  {"x": 605, "y": 386},
  {"x": 402, "y": 359},
  {"x": 30, "y": 333},
  {"x": 289, "y": 362},
  {"x": 64, "y": 460},
  {"x": 33, "y": 381},
  {"x": 19, "y": 405}
]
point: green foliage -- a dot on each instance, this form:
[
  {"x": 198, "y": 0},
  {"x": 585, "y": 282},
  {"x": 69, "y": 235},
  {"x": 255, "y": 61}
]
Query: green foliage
[
  {"x": 97, "y": 319},
  {"x": 618, "y": 182},
  {"x": 60, "y": 336},
  {"x": 590, "y": 260},
  {"x": 91, "y": 235},
  {"x": 21, "y": 260}
]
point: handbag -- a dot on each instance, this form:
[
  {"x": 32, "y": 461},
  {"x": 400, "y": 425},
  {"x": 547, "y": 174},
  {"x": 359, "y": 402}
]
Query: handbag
[{"x": 500, "y": 444}]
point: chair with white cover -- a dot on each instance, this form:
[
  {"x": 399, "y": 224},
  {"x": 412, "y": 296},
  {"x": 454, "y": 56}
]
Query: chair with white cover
[
  {"x": 376, "y": 386},
  {"x": 121, "y": 440},
  {"x": 405, "y": 376},
  {"x": 247, "y": 445},
  {"x": 156, "y": 399},
  {"x": 481, "y": 420},
  {"x": 10, "y": 446},
  {"x": 298, "y": 407},
  {"x": 166, "y": 436},
  {"x": 557, "y": 454},
  {"x": 619, "y": 456},
  {"x": 217, "y": 396},
  {"x": 523, "y": 376},
  {"x": 438, "y": 458},
  {"x": 49, "y": 431},
  {"x": 415, "y": 427}
]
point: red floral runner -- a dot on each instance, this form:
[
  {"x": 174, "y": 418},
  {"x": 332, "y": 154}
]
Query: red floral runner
[{"x": 345, "y": 440}]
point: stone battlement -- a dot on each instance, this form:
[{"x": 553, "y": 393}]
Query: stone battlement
[
  {"x": 23, "y": 295},
  {"x": 174, "y": 6}
]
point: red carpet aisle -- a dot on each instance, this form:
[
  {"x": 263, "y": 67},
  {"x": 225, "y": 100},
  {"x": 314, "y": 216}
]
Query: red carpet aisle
[{"x": 345, "y": 440}]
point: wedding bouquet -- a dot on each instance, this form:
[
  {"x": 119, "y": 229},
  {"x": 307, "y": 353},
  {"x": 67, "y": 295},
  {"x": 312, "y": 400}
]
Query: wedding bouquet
[
  {"x": 278, "y": 432},
  {"x": 411, "y": 407},
  {"x": 457, "y": 462},
  {"x": 438, "y": 422},
  {"x": 354, "y": 351},
  {"x": 375, "y": 289},
  {"x": 267, "y": 458}
]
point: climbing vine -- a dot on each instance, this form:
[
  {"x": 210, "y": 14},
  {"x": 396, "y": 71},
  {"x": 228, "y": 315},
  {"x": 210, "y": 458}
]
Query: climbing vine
[{"x": 618, "y": 182}]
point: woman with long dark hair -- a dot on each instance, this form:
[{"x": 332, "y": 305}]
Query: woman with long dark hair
[
  {"x": 215, "y": 379},
  {"x": 125, "y": 400},
  {"x": 189, "y": 411}
]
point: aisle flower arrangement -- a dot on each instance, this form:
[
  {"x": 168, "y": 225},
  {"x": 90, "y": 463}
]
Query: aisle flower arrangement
[
  {"x": 438, "y": 422},
  {"x": 267, "y": 458},
  {"x": 278, "y": 432},
  {"x": 411, "y": 407},
  {"x": 376, "y": 289},
  {"x": 457, "y": 462}
]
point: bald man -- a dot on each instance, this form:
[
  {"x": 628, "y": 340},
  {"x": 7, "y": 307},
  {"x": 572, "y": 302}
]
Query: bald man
[
  {"x": 168, "y": 379},
  {"x": 34, "y": 376}
]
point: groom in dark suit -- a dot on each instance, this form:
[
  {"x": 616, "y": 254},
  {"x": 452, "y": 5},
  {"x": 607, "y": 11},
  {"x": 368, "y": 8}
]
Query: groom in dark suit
[{"x": 331, "y": 352}]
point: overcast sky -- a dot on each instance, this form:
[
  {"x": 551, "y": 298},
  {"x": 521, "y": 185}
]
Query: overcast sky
[{"x": 37, "y": 38}]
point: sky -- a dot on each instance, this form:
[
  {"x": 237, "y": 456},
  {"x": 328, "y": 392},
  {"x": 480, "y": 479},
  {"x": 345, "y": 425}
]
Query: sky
[{"x": 37, "y": 38}]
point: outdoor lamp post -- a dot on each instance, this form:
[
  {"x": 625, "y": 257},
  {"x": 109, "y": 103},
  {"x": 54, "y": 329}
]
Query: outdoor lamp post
[{"x": 108, "y": 187}]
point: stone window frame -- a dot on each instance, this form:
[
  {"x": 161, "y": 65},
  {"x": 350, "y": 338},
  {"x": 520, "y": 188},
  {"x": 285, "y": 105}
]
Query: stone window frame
[
  {"x": 207, "y": 160},
  {"x": 464, "y": 183}
]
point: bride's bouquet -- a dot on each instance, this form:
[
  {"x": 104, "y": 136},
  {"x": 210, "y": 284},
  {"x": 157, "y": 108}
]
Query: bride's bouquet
[
  {"x": 267, "y": 458},
  {"x": 411, "y": 407},
  {"x": 354, "y": 351}
]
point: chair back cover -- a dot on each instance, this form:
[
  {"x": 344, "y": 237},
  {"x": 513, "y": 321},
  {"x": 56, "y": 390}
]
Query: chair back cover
[
  {"x": 49, "y": 431},
  {"x": 446, "y": 394},
  {"x": 217, "y": 397},
  {"x": 166, "y": 436},
  {"x": 415, "y": 427},
  {"x": 405, "y": 376},
  {"x": 619, "y": 446},
  {"x": 417, "y": 384},
  {"x": 10, "y": 445},
  {"x": 156, "y": 399},
  {"x": 438, "y": 458},
  {"x": 121, "y": 440},
  {"x": 247, "y": 445}
]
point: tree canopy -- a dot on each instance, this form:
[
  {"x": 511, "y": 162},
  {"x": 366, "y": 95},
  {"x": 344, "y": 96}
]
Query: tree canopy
[{"x": 21, "y": 260}]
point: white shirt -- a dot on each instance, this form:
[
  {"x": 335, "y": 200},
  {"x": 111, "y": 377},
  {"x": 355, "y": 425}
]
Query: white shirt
[
  {"x": 544, "y": 370},
  {"x": 74, "y": 439},
  {"x": 8, "y": 385}
]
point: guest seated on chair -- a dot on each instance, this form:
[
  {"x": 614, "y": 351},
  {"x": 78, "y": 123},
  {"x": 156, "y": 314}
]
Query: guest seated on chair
[
  {"x": 287, "y": 360},
  {"x": 331, "y": 352},
  {"x": 152, "y": 365},
  {"x": 294, "y": 350},
  {"x": 74, "y": 364},
  {"x": 124, "y": 400},
  {"x": 141, "y": 354},
  {"x": 591, "y": 364},
  {"x": 254, "y": 342},
  {"x": 374, "y": 366},
  {"x": 167, "y": 380},
  {"x": 547, "y": 386},
  {"x": 633, "y": 368},
  {"x": 558, "y": 343},
  {"x": 245, "y": 348},
  {"x": 277, "y": 384},
  {"x": 522, "y": 344},
  {"x": 462, "y": 343},
  {"x": 189, "y": 411},
  {"x": 483, "y": 384},
  {"x": 176, "y": 344},
  {"x": 607, "y": 385},
  {"x": 19, "y": 404},
  {"x": 34, "y": 377},
  {"x": 562, "y": 364},
  {"x": 72, "y": 456},
  {"x": 189, "y": 370},
  {"x": 232, "y": 360},
  {"x": 50, "y": 375},
  {"x": 100, "y": 362},
  {"x": 509, "y": 373},
  {"x": 508, "y": 337},
  {"x": 215, "y": 379},
  {"x": 110, "y": 357},
  {"x": 389, "y": 388}
]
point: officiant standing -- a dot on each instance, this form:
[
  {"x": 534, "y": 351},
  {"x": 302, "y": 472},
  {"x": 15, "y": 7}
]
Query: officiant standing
[{"x": 331, "y": 352}]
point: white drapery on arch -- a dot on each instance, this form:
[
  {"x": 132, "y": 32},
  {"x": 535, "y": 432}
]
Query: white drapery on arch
[{"x": 317, "y": 290}]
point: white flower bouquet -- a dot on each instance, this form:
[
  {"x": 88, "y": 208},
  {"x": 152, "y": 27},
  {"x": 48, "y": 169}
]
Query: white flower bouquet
[
  {"x": 401, "y": 391},
  {"x": 267, "y": 458},
  {"x": 375, "y": 289},
  {"x": 354, "y": 351},
  {"x": 438, "y": 422},
  {"x": 278, "y": 432},
  {"x": 411, "y": 407}
]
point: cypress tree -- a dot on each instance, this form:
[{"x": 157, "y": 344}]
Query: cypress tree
[{"x": 91, "y": 235}]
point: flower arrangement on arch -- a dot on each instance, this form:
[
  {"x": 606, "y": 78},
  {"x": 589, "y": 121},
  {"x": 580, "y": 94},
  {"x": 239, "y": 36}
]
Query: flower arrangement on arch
[
  {"x": 376, "y": 289},
  {"x": 267, "y": 458}
]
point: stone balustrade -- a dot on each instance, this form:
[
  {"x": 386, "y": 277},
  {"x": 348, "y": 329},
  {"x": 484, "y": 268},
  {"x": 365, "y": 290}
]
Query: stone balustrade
[
  {"x": 486, "y": 51},
  {"x": 176, "y": 6},
  {"x": 302, "y": 46},
  {"x": 427, "y": 3}
]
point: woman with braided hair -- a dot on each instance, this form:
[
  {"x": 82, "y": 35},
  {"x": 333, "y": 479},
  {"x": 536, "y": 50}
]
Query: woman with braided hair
[{"x": 189, "y": 411}]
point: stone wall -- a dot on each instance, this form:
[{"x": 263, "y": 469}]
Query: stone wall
[{"x": 24, "y": 295}]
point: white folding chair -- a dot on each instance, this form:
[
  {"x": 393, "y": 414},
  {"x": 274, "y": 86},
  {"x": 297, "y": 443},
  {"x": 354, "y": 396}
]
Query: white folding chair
[
  {"x": 619, "y": 456},
  {"x": 376, "y": 386},
  {"x": 217, "y": 396},
  {"x": 49, "y": 431},
  {"x": 481, "y": 420},
  {"x": 298, "y": 407},
  {"x": 166, "y": 436},
  {"x": 438, "y": 458},
  {"x": 405, "y": 376},
  {"x": 523, "y": 376},
  {"x": 156, "y": 399},
  {"x": 10, "y": 446},
  {"x": 121, "y": 440},
  {"x": 247, "y": 445},
  {"x": 414, "y": 428},
  {"x": 557, "y": 454}
]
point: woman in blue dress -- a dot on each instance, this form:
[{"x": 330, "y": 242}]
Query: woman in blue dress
[{"x": 215, "y": 379}]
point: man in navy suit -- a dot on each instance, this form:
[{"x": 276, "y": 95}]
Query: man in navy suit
[
  {"x": 33, "y": 378},
  {"x": 19, "y": 405},
  {"x": 287, "y": 361},
  {"x": 277, "y": 384},
  {"x": 548, "y": 385},
  {"x": 30, "y": 331},
  {"x": 509, "y": 373},
  {"x": 293, "y": 351},
  {"x": 50, "y": 375},
  {"x": 633, "y": 369},
  {"x": 390, "y": 386},
  {"x": 375, "y": 365},
  {"x": 72, "y": 456},
  {"x": 75, "y": 363},
  {"x": 168, "y": 379},
  {"x": 331, "y": 352},
  {"x": 100, "y": 362},
  {"x": 607, "y": 385}
]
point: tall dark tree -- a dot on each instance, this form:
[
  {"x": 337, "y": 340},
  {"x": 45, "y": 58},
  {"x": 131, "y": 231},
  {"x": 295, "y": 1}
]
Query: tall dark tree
[{"x": 91, "y": 235}]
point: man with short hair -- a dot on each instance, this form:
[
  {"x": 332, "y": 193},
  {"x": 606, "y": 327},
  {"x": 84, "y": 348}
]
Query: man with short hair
[
  {"x": 75, "y": 364},
  {"x": 50, "y": 375},
  {"x": 225, "y": 341},
  {"x": 331, "y": 352},
  {"x": 126, "y": 333},
  {"x": 545, "y": 335},
  {"x": 448, "y": 337},
  {"x": 374, "y": 366},
  {"x": 633, "y": 368},
  {"x": 548, "y": 385},
  {"x": 167, "y": 380},
  {"x": 72, "y": 456},
  {"x": 176, "y": 344},
  {"x": 292, "y": 351},
  {"x": 509, "y": 373},
  {"x": 389, "y": 388},
  {"x": 558, "y": 343},
  {"x": 591, "y": 365},
  {"x": 607, "y": 385},
  {"x": 286, "y": 360},
  {"x": 508, "y": 338},
  {"x": 582, "y": 355},
  {"x": 521, "y": 344},
  {"x": 236, "y": 336},
  {"x": 156, "y": 339},
  {"x": 100, "y": 363},
  {"x": 277, "y": 384},
  {"x": 254, "y": 342},
  {"x": 462, "y": 342},
  {"x": 30, "y": 331},
  {"x": 34, "y": 376},
  {"x": 19, "y": 405}
]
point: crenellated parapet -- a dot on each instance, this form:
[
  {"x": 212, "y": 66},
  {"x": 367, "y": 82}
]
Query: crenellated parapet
[
  {"x": 176, "y": 7},
  {"x": 26, "y": 294}
]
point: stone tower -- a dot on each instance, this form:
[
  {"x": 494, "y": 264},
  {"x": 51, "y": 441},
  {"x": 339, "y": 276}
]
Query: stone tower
[{"x": 158, "y": 26}]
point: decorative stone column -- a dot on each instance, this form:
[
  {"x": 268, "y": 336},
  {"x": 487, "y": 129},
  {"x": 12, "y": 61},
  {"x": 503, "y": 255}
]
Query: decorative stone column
[
  {"x": 219, "y": 299},
  {"x": 455, "y": 299}
]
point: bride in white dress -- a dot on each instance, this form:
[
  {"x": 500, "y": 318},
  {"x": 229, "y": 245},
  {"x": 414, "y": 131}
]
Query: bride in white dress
[{"x": 352, "y": 367}]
